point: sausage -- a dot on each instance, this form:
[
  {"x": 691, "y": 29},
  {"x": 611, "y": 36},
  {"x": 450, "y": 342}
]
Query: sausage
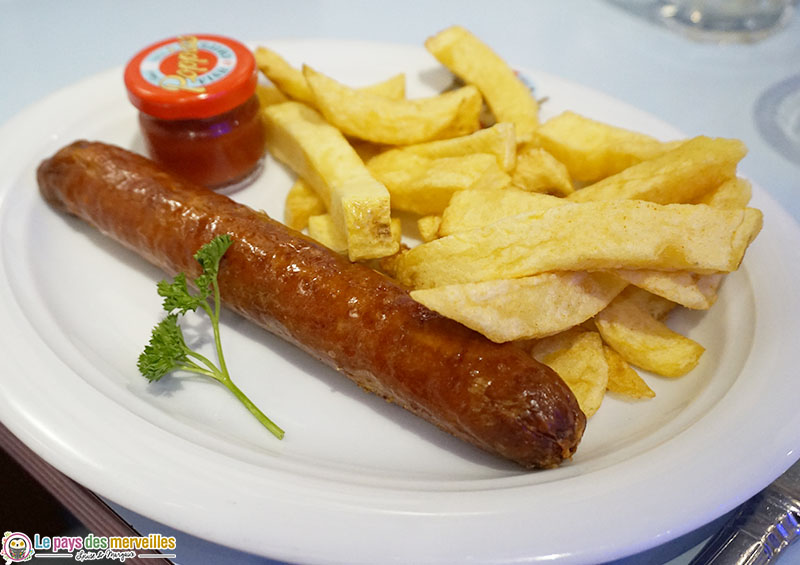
[{"x": 345, "y": 314}]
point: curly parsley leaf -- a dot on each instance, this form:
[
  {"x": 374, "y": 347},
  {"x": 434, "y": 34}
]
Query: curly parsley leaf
[
  {"x": 167, "y": 350},
  {"x": 177, "y": 296}
]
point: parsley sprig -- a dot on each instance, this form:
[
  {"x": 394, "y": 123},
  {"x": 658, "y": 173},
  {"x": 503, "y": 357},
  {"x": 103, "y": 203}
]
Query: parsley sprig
[{"x": 167, "y": 350}]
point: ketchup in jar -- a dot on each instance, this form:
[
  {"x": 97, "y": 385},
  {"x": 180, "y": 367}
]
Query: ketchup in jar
[{"x": 198, "y": 110}]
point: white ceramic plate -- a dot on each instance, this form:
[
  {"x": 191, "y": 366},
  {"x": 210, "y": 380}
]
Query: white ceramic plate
[{"x": 357, "y": 480}]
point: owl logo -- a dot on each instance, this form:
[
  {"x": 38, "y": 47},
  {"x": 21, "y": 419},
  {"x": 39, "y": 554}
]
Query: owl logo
[{"x": 17, "y": 547}]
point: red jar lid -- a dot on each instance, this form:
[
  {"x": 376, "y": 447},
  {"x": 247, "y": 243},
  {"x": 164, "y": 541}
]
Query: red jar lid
[{"x": 191, "y": 76}]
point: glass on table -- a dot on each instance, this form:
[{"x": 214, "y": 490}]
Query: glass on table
[
  {"x": 725, "y": 20},
  {"x": 777, "y": 117}
]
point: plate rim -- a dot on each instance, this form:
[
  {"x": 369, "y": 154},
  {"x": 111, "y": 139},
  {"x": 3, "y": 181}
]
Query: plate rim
[{"x": 41, "y": 440}]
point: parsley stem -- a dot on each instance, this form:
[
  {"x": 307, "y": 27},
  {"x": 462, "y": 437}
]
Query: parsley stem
[
  {"x": 167, "y": 349},
  {"x": 214, "y": 372},
  {"x": 260, "y": 416},
  {"x": 194, "y": 368},
  {"x": 215, "y": 320}
]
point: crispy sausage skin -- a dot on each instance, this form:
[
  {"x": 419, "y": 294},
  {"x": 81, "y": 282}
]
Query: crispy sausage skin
[{"x": 347, "y": 315}]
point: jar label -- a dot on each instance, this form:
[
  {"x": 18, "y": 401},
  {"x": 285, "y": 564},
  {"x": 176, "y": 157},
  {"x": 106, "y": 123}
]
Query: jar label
[{"x": 188, "y": 64}]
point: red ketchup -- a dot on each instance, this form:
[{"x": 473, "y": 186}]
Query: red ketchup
[{"x": 198, "y": 110}]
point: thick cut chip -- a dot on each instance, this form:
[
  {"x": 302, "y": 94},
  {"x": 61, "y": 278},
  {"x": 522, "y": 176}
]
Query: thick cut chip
[
  {"x": 592, "y": 150},
  {"x": 698, "y": 292},
  {"x": 379, "y": 119},
  {"x": 657, "y": 306},
  {"x": 683, "y": 174},
  {"x": 291, "y": 82},
  {"x": 425, "y": 186},
  {"x": 285, "y": 77},
  {"x": 509, "y": 99},
  {"x": 393, "y": 87},
  {"x": 538, "y": 171},
  {"x": 269, "y": 95},
  {"x": 324, "y": 229},
  {"x": 302, "y": 202},
  {"x": 734, "y": 193},
  {"x": 623, "y": 379},
  {"x": 530, "y": 307},
  {"x": 578, "y": 358},
  {"x": 616, "y": 234},
  {"x": 470, "y": 209},
  {"x": 498, "y": 140},
  {"x": 645, "y": 341},
  {"x": 428, "y": 227},
  {"x": 299, "y": 137}
]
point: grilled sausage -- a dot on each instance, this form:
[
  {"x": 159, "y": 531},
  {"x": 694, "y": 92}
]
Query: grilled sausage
[{"x": 347, "y": 315}]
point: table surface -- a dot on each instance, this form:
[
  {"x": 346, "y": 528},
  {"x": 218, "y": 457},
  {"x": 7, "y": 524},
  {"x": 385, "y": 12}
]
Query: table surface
[{"x": 609, "y": 46}]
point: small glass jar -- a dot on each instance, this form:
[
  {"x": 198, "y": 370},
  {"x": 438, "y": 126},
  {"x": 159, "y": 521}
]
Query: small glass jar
[{"x": 198, "y": 111}]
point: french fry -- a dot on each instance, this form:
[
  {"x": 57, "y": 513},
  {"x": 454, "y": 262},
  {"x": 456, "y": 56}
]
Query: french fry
[
  {"x": 680, "y": 175},
  {"x": 379, "y": 119},
  {"x": 299, "y": 137},
  {"x": 509, "y": 99},
  {"x": 592, "y": 150},
  {"x": 323, "y": 228},
  {"x": 524, "y": 308},
  {"x": 498, "y": 140},
  {"x": 616, "y": 234},
  {"x": 291, "y": 82},
  {"x": 428, "y": 227},
  {"x": 269, "y": 95},
  {"x": 285, "y": 77},
  {"x": 572, "y": 239},
  {"x": 538, "y": 171},
  {"x": 578, "y": 357},
  {"x": 656, "y": 306},
  {"x": 644, "y": 341},
  {"x": 470, "y": 209},
  {"x": 734, "y": 193},
  {"x": 302, "y": 202},
  {"x": 623, "y": 379},
  {"x": 698, "y": 292},
  {"x": 425, "y": 186}
]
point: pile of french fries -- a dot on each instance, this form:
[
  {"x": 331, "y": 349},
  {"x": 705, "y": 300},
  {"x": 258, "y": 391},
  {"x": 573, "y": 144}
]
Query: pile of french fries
[{"x": 572, "y": 238}]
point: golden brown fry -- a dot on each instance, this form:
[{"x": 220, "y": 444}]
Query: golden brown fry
[
  {"x": 470, "y": 209},
  {"x": 291, "y": 82},
  {"x": 425, "y": 186},
  {"x": 498, "y": 140},
  {"x": 285, "y": 77},
  {"x": 578, "y": 357},
  {"x": 509, "y": 99},
  {"x": 644, "y": 341},
  {"x": 683, "y": 174},
  {"x": 380, "y": 119},
  {"x": 524, "y": 308},
  {"x": 324, "y": 229},
  {"x": 538, "y": 171},
  {"x": 734, "y": 193},
  {"x": 299, "y": 137},
  {"x": 428, "y": 227},
  {"x": 617, "y": 234},
  {"x": 592, "y": 150},
  {"x": 623, "y": 379},
  {"x": 698, "y": 292},
  {"x": 302, "y": 202},
  {"x": 269, "y": 95}
]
